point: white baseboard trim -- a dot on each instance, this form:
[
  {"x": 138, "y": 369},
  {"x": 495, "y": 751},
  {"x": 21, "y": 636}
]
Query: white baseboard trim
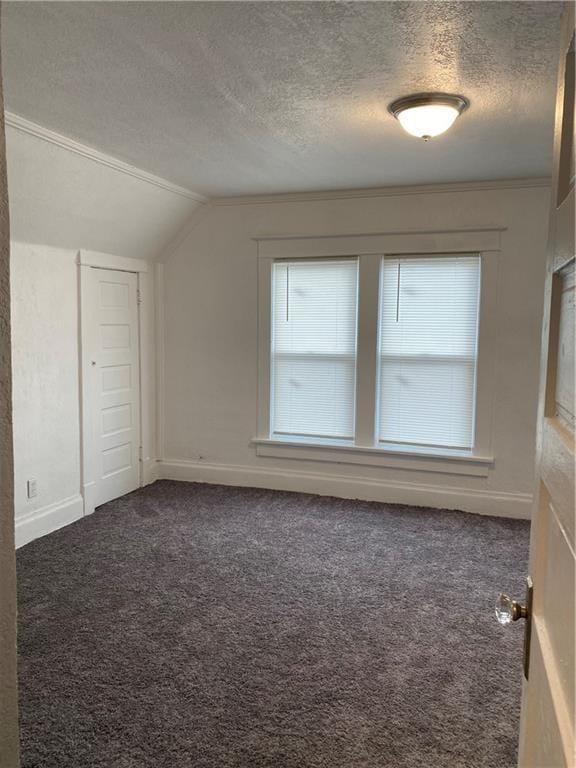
[
  {"x": 149, "y": 471},
  {"x": 89, "y": 497},
  {"x": 47, "y": 519},
  {"x": 482, "y": 502}
]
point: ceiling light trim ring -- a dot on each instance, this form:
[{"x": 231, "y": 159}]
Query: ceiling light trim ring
[{"x": 459, "y": 103}]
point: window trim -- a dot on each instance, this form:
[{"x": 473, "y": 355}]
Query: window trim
[
  {"x": 370, "y": 249},
  {"x": 411, "y": 458}
]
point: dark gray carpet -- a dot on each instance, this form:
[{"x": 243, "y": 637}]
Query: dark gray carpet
[{"x": 197, "y": 626}]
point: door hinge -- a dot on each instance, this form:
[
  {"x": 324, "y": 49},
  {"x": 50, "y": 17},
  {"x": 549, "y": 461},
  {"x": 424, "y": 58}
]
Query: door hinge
[
  {"x": 138, "y": 296},
  {"x": 140, "y": 454}
]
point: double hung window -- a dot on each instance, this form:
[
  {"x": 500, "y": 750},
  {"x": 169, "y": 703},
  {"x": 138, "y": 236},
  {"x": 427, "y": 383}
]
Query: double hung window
[
  {"x": 428, "y": 334},
  {"x": 424, "y": 320},
  {"x": 313, "y": 360}
]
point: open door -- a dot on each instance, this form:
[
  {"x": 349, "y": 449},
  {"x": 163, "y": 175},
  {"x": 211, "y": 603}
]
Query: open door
[{"x": 547, "y": 722}]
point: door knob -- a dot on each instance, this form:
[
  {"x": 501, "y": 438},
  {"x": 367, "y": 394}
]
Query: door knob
[{"x": 508, "y": 610}]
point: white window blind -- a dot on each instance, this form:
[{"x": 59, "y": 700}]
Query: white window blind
[
  {"x": 313, "y": 355},
  {"x": 427, "y": 350}
]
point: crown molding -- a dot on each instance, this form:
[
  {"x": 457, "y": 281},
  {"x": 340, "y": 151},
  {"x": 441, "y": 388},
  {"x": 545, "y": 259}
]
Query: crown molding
[
  {"x": 351, "y": 194},
  {"x": 45, "y": 134},
  {"x": 24, "y": 125}
]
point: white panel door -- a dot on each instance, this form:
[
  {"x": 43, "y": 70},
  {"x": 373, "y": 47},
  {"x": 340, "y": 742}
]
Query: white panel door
[
  {"x": 114, "y": 368},
  {"x": 548, "y": 705}
]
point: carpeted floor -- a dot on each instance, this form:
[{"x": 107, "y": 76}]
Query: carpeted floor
[{"x": 197, "y": 626}]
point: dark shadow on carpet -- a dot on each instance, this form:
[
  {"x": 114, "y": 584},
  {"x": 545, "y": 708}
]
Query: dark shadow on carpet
[{"x": 198, "y": 626}]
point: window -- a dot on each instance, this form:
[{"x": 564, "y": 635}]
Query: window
[
  {"x": 385, "y": 358},
  {"x": 313, "y": 349},
  {"x": 428, "y": 310}
]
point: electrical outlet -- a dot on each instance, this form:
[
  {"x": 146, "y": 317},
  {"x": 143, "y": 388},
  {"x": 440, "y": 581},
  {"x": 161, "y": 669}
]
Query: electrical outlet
[{"x": 31, "y": 489}]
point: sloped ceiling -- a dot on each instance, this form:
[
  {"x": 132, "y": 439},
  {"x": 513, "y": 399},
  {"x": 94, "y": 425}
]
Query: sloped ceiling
[
  {"x": 64, "y": 198},
  {"x": 230, "y": 98}
]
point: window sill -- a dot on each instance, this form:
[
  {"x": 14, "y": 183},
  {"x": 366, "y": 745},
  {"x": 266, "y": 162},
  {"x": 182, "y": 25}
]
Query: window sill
[{"x": 417, "y": 458}]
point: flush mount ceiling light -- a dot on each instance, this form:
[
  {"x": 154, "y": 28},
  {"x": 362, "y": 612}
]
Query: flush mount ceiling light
[{"x": 427, "y": 114}]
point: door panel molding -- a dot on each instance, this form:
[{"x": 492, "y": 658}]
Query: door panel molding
[
  {"x": 88, "y": 262},
  {"x": 547, "y": 720}
]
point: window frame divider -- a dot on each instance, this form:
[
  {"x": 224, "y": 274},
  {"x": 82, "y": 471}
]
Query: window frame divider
[{"x": 367, "y": 349}]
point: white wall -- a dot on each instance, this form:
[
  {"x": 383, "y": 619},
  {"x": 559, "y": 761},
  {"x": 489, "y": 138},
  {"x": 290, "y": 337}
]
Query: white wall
[
  {"x": 9, "y": 741},
  {"x": 66, "y": 195},
  {"x": 46, "y": 391},
  {"x": 209, "y": 336},
  {"x": 46, "y": 386}
]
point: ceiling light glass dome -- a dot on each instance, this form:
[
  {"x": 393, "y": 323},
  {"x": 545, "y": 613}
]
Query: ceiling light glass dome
[{"x": 427, "y": 114}]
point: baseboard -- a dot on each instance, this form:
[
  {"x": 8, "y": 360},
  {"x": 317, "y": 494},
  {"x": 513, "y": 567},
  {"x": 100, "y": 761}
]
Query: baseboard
[
  {"x": 89, "y": 497},
  {"x": 47, "y": 519},
  {"x": 149, "y": 471},
  {"x": 482, "y": 502}
]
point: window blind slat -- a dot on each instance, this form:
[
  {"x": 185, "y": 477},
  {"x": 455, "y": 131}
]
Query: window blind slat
[
  {"x": 427, "y": 350},
  {"x": 313, "y": 355}
]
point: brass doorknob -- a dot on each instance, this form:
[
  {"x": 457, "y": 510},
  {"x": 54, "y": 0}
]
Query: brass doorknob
[{"x": 508, "y": 610}]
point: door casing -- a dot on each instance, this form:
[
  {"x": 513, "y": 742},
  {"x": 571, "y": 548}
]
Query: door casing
[{"x": 87, "y": 261}]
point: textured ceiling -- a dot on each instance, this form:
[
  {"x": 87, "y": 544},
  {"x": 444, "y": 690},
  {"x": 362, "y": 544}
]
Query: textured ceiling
[{"x": 239, "y": 97}]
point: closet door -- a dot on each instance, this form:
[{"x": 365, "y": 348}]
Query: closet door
[{"x": 111, "y": 314}]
